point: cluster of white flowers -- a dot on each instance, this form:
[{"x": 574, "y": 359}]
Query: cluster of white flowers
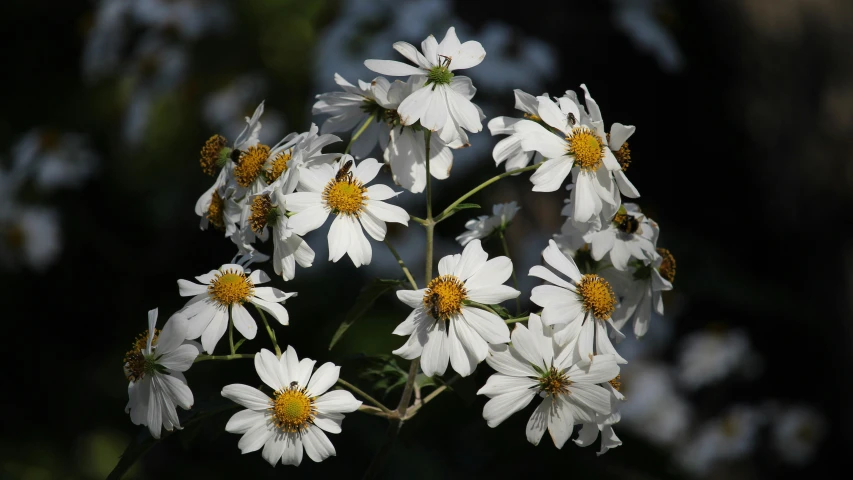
[
  {"x": 43, "y": 161},
  {"x": 600, "y": 272}
]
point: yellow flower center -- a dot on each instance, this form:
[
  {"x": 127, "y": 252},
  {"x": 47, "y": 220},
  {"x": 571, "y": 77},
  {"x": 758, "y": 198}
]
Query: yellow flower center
[
  {"x": 597, "y": 296},
  {"x": 444, "y": 296},
  {"x": 263, "y": 213},
  {"x": 230, "y": 287},
  {"x": 616, "y": 382},
  {"x": 533, "y": 117},
  {"x": 279, "y": 165},
  {"x": 216, "y": 211},
  {"x": 210, "y": 153},
  {"x": 554, "y": 382},
  {"x": 667, "y": 265},
  {"x": 345, "y": 195},
  {"x": 135, "y": 364},
  {"x": 250, "y": 164},
  {"x": 293, "y": 410},
  {"x": 586, "y": 147}
]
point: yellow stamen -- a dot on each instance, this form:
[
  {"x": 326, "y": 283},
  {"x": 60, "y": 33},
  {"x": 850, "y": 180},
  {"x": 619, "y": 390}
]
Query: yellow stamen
[
  {"x": 251, "y": 164},
  {"x": 216, "y": 211},
  {"x": 443, "y": 297},
  {"x": 210, "y": 154},
  {"x": 554, "y": 382},
  {"x": 293, "y": 410},
  {"x": 597, "y": 296},
  {"x": 345, "y": 195},
  {"x": 530, "y": 116},
  {"x": 230, "y": 287},
  {"x": 667, "y": 265},
  {"x": 279, "y": 165},
  {"x": 135, "y": 365},
  {"x": 586, "y": 147},
  {"x": 616, "y": 382},
  {"x": 261, "y": 209}
]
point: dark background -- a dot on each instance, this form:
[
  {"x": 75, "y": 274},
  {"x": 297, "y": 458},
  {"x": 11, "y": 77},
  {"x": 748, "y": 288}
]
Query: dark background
[{"x": 743, "y": 157}]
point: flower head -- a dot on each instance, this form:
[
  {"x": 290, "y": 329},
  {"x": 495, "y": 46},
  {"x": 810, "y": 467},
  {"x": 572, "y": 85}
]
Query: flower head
[
  {"x": 486, "y": 225},
  {"x": 297, "y": 416},
  {"x": 442, "y": 327}
]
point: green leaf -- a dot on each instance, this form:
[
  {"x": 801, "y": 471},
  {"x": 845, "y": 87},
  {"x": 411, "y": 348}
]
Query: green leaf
[
  {"x": 383, "y": 373},
  {"x": 503, "y": 312},
  {"x": 369, "y": 294}
]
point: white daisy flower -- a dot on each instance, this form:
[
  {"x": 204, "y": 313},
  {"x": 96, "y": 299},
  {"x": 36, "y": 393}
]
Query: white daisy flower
[
  {"x": 442, "y": 104},
  {"x": 54, "y": 159},
  {"x": 582, "y": 151},
  {"x": 224, "y": 291},
  {"x": 509, "y": 149},
  {"x": 629, "y": 235},
  {"x": 351, "y": 108},
  {"x": 154, "y": 366},
  {"x": 485, "y": 225},
  {"x": 441, "y": 327},
  {"x": 571, "y": 236},
  {"x": 604, "y": 423},
  {"x": 640, "y": 291},
  {"x": 797, "y": 432},
  {"x": 294, "y": 153},
  {"x": 406, "y": 153},
  {"x": 297, "y": 416},
  {"x": 580, "y": 309},
  {"x": 340, "y": 189},
  {"x": 707, "y": 357},
  {"x": 535, "y": 364},
  {"x": 657, "y": 411},
  {"x": 29, "y": 235},
  {"x": 731, "y": 436},
  {"x": 288, "y": 247}
]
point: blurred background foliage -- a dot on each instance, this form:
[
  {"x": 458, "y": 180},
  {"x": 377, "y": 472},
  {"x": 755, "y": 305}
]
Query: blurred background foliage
[{"x": 744, "y": 112}]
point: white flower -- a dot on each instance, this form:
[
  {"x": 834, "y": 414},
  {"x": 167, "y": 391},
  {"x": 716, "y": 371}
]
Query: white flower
[
  {"x": 442, "y": 327},
  {"x": 571, "y": 236},
  {"x": 656, "y": 409},
  {"x": 54, "y": 159},
  {"x": 351, "y": 108},
  {"x": 340, "y": 189},
  {"x": 225, "y": 291},
  {"x": 485, "y": 225},
  {"x": 442, "y": 104},
  {"x": 154, "y": 366},
  {"x": 406, "y": 153},
  {"x": 288, "y": 247},
  {"x": 297, "y": 415},
  {"x": 630, "y": 234},
  {"x": 640, "y": 291},
  {"x": 580, "y": 309},
  {"x": 29, "y": 235},
  {"x": 294, "y": 153},
  {"x": 578, "y": 148},
  {"x": 797, "y": 432},
  {"x": 509, "y": 149},
  {"x": 728, "y": 437},
  {"x": 535, "y": 364},
  {"x": 604, "y": 423},
  {"x": 709, "y": 356}
]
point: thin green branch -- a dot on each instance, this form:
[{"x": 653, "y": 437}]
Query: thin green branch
[
  {"x": 517, "y": 319},
  {"x": 514, "y": 277},
  {"x": 269, "y": 331},
  {"x": 402, "y": 264},
  {"x": 449, "y": 210},
  {"x": 202, "y": 358},
  {"x": 367, "y": 397},
  {"x": 231, "y": 331},
  {"x": 359, "y": 132}
]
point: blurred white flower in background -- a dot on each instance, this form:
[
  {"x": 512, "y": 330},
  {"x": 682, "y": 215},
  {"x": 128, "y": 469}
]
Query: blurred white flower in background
[
  {"x": 29, "y": 236},
  {"x": 224, "y": 109},
  {"x": 728, "y": 437},
  {"x": 710, "y": 356},
  {"x": 642, "y": 21},
  {"x": 797, "y": 432},
  {"x": 515, "y": 61},
  {"x": 655, "y": 410}
]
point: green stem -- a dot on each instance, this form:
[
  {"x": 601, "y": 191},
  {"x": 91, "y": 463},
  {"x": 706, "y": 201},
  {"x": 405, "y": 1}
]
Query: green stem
[
  {"x": 364, "y": 395},
  {"x": 449, "y": 210},
  {"x": 514, "y": 277},
  {"x": 417, "y": 220},
  {"x": 359, "y": 132},
  {"x": 480, "y": 305},
  {"x": 202, "y": 358},
  {"x": 515, "y": 320},
  {"x": 269, "y": 331},
  {"x": 432, "y": 395},
  {"x": 402, "y": 264}
]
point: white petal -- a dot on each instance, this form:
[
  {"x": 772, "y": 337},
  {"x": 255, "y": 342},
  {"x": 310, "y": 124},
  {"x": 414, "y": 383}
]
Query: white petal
[
  {"x": 494, "y": 272},
  {"x": 463, "y": 111},
  {"x": 555, "y": 258},
  {"x": 551, "y": 175},
  {"x": 308, "y": 220},
  {"x": 244, "y": 420},
  {"x": 508, "y": 361},
  {"x": 189, "y": 289},
  {"x": 560, "y": 423},
  {"x": 337, "y": 401},
  {"x": 498, "y": 384},
  {"x": 366, "y": 170},
  {"x": 538, "y": 422},
  {"x": 275, "y": 309},
  {"x": 243, "y": 321},
  {"x": 392, "y": 68},
  {"x": 487, "y": 325},
  {"x": 340, "y": 238},
  {"x": 247, "y": 396},
  {"x": 501, "y": 407},
  {"x": 269, "y": 370},
  {"x": 255, "y": 438},
  {"x": 173, "y": 334},
  {"x": 527, "y": 345},
  {"x": 323, "y": 378},
  {"x": 436, "y": 354},
  {"x": 293, "y": 449},
  {"x": 317, "y": 444},
  {"x": 415, "y": 105}
]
